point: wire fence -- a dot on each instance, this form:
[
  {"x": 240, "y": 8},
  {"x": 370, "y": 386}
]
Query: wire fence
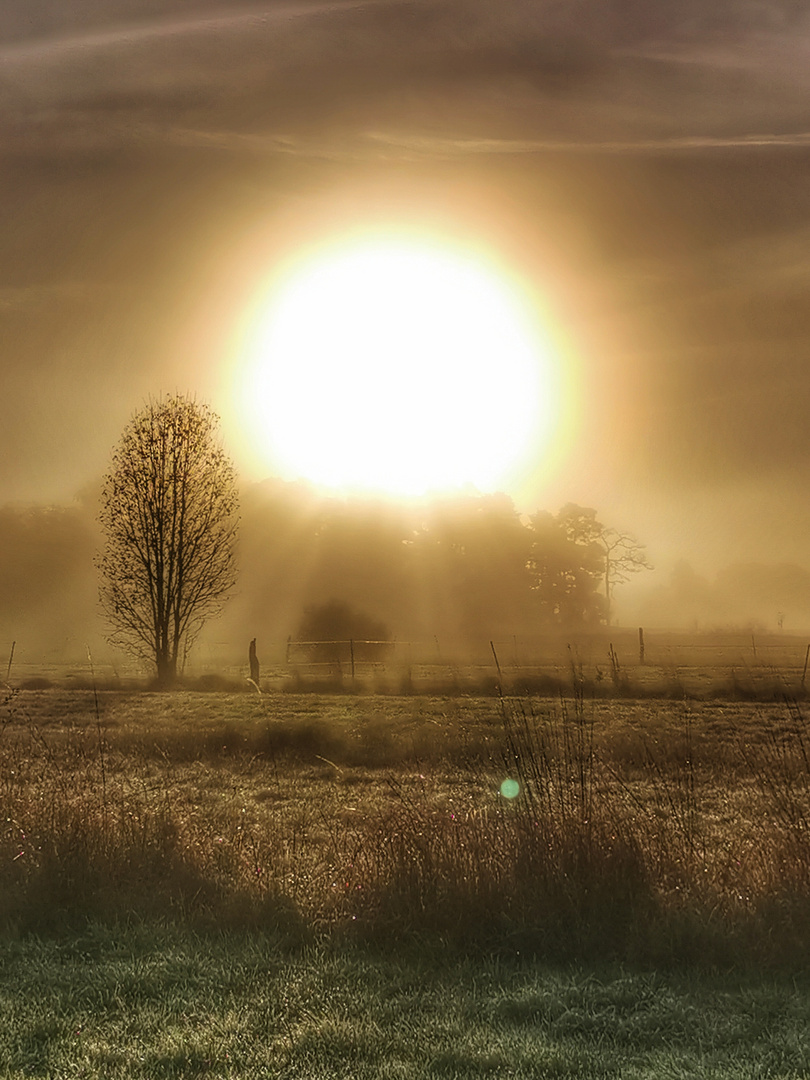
[{"x": 643, "y": 658}]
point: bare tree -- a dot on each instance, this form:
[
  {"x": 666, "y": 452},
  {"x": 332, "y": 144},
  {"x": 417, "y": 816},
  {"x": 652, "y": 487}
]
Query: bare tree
[
  {"x": 623, "y": 556},
  {"x": 169, "y": 514},
  {"x": 608, "y": 557}
]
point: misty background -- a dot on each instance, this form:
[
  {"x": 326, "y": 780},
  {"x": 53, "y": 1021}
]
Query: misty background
[
  {"x": 447, "y": 576},
  {"x": 641, "y": 167}
]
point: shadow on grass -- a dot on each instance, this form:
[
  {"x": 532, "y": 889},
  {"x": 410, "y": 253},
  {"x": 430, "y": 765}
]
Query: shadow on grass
[{"x": 583, "y": 856}]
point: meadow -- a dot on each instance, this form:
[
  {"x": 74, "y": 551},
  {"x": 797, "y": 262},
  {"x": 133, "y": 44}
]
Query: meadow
[{"x": 221, "y": 883}]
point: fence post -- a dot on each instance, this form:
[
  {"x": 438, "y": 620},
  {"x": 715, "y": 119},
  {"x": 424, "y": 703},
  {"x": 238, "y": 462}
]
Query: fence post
[
  {"x": 351, "y": 654},
  {"x": 615, "y": 669},
  {"x": 806, "y": 658},
  {"x": 641, "y": 644},
  {"x": 497, "y": 665}
]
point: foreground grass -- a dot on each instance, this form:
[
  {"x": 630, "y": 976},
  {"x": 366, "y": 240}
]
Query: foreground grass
[
  {"x": 149, "y": 1002},
  {"x": 648, "y": 833}
]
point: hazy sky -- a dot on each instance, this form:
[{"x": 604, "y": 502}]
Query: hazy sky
[{"x": 644, "y": 169}]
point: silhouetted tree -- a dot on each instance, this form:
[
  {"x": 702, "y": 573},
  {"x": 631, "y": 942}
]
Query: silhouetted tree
[
  {"x": 358, "y": 554},
  {"x": 168, "y": 511},
  {"x": 573, "y": 554},
  {"x": 328, "y": 628},
  {"x": 472, "y": 555},
  {"x": 623, "y": 556},
  {"x": 566, "y": 567}
]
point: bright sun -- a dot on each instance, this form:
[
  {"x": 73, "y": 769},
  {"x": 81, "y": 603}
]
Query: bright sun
[{"x": 398, "y": 367}]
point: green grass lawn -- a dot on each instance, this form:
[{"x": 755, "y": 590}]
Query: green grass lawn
[{"x": 153, "y": 1003}]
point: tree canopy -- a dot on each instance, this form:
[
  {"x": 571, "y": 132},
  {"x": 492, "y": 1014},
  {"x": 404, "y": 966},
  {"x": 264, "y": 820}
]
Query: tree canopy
[
  {"x": 169, "y": 516},
  {"x": 464, "y": 569},
  {"x": 326, "y": 630}
]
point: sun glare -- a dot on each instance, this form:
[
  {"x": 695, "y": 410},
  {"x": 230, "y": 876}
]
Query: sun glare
[{"x": 400, "y": 368}]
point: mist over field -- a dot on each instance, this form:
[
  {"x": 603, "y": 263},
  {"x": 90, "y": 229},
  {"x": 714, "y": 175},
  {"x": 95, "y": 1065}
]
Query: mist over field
[
  {"x": 642, "y": 169},
  {"x": 447, "y": 576},
  {"x": 419, "y": 391}
]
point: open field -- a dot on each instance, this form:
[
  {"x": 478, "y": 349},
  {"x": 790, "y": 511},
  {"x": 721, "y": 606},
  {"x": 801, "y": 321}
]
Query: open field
[
  {"x": 655, "y": 830},
  {"x": 230, "y": 884},
  {"x": 128, "y": 1004},
  {"x": 712, "y": 664}
]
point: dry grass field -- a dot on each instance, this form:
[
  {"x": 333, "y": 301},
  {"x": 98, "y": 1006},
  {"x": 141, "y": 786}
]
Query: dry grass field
[
  {"x": 652, "y": 831},
  {"x": 234, "y": 885}
]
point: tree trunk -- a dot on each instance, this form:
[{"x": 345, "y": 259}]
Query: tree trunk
[{"x": 166, "y": 671}]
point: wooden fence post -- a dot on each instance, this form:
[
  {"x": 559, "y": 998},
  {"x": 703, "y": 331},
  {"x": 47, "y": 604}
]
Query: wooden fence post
[
  {"x": 641, "y": 644},
  {"x": 497, "y": 665}
]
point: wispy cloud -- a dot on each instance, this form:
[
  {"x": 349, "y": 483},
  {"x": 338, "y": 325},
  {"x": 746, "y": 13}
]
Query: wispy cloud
[
  {"x": 133, "y": 33},
  {"x": 140, "y": 138},
  {"x": 439, "y": 145}
]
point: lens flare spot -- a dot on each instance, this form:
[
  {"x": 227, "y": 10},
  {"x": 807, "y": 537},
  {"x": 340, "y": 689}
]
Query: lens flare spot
[{"x": 510, "y": 789}]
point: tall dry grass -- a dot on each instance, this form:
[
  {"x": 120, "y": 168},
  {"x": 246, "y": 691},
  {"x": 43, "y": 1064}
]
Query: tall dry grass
[{"x": 689, "y": 844}]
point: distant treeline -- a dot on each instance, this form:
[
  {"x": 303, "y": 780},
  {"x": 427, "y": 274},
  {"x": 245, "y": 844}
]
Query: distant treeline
[{"x": 463, "y": 569}]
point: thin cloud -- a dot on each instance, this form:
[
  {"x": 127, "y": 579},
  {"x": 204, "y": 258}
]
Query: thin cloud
[
  {"x": 434, "y": 144},
  {"x": 134, "y": 33},
  {"x": 529, "y": 80},
  {"x": 644, "y": 165}
]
